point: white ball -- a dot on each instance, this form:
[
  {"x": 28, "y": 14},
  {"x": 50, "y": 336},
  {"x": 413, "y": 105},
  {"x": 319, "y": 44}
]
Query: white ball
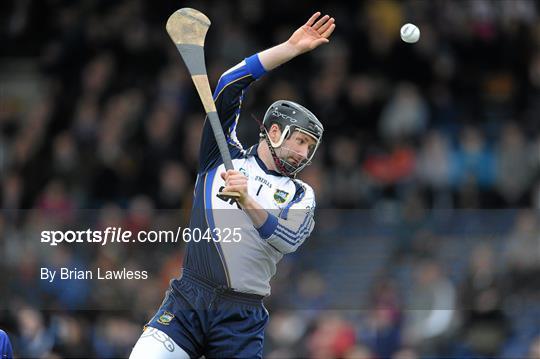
[{"x": 410, "y": 33}]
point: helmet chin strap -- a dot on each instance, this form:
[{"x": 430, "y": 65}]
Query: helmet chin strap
[{"x": 273, "y": 145}]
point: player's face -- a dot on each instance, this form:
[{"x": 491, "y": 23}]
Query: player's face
[{"x": 298, "y": 148}]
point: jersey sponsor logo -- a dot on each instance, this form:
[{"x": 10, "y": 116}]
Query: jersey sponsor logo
[
  {"x": 263, "y": 181},
  {"x": 280, "y": 196},
  {"x": 165, "y": 318}
]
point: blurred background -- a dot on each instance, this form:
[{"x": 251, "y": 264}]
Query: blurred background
[{"x": 428, "y": 189}]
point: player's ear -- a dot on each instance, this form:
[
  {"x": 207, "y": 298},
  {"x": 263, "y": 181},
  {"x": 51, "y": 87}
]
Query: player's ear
[{"x": 274, "y": 132}]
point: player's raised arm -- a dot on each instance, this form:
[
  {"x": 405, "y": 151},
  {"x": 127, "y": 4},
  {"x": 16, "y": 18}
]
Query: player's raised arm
[
  {"x": 228, "y": 96},
  {"x": 315, "y": 32}
]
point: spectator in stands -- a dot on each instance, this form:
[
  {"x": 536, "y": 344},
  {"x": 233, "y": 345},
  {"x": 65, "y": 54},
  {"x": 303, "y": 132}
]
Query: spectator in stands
[
  {"x": 514, "y": 167},
  {"x": 473, "y": 170},
  {"x": 405, "y": 116},
  {"x": 522, "y": 255},
  {"x": 433, "y": 167},
  {"x": 333, "y": 337},
  {"x": 380, "y": 329},
  {"x": 35, "y": 339},
  {"x": 349, "y": 184},
  {"x": 430, "y": 310},
  {"x": 484, "y": 326}
]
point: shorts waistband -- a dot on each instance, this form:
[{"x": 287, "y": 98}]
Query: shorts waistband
[{"x": 221, "y": 290}]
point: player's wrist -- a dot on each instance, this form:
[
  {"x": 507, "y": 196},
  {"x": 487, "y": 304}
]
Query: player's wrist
[
  {"x": 292, "y": 49},
  {"x": 245, "y": 201},
  {"x": 253, "y": 209}
]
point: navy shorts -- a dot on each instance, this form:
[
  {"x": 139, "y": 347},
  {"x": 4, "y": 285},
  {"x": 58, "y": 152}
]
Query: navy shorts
[{"x": 205, "y": 319}]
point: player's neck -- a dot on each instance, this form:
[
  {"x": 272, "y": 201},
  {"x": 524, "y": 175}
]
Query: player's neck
[{"x": 266, "y": 156}]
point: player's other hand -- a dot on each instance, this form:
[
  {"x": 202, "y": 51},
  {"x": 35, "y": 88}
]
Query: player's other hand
[
  {"x": 313, "y": 33},
  {"x": 235, "y": 181}
]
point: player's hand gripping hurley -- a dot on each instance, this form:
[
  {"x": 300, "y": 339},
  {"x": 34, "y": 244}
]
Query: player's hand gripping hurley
[{"x": 187, "y": 29}]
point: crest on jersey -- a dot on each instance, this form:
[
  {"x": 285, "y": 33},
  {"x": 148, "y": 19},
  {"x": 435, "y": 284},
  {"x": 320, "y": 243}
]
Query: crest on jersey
[
  {"x": 280, "y": 196},
  {"x": 165, "y": 318}
]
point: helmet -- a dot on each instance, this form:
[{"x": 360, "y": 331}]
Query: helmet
[{"x": 291, "y": 117}]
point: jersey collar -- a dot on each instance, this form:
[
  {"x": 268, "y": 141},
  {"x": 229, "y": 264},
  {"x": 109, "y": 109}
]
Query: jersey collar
[{"x": 252, "y": 151}]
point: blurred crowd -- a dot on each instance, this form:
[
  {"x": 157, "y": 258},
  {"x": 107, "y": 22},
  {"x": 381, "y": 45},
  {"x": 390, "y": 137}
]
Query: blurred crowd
[
  {"x": 98, "y": 114},
  {"x": 461, "y": 287}
]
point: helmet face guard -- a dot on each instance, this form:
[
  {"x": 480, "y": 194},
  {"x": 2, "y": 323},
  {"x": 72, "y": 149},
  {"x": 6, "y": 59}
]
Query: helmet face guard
[{"x": 291, "y": 117}]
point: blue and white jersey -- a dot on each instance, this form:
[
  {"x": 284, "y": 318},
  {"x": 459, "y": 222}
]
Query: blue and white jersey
[{"x": 245, "y": 258}]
